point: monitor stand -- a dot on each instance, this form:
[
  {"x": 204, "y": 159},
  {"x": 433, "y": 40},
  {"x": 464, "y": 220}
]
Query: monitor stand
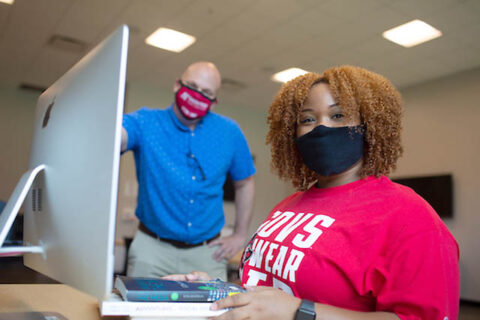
[{"x": 11, "y": 210}]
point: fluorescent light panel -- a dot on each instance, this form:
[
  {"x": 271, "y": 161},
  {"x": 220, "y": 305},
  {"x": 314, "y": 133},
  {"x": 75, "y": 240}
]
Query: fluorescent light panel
[
  {"x": 7, "y": 1},
  {"x": 288, "y": 74},
  {"x": 412, "y": 33},
  {"x": 170, "y": 40}
]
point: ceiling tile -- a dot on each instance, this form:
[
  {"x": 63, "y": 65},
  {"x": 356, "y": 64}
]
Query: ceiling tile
[
  {"x": 49, "y": 66},
  {"x": 28, "y": 27},
  {"x": 422, "y": 8},
  {"x": 100, "y": 13},
  {"x": 458, "y": 59},
  {"x": 202, "y": 17},
  {"x": 347, "y": 11},
  {"x": 469, "y": 35},
  {"x": 249, "y": 40},
  {"x": 314, "y": 22},
  {"x": 280, "y": 10},
  {"x": 146, "y": 16},
  {"x": 5, "y": 11},
  {"x": 366, "y": 53},
  {"x": 452, "y": 18}
]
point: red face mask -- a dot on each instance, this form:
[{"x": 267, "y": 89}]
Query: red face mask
[{"x": 192, "y": 103}]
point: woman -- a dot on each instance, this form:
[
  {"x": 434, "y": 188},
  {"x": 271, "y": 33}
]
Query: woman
[{"x": 351, "y": 244}]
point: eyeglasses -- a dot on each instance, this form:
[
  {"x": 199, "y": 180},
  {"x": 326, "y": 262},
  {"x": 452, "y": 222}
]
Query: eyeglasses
[
  {"x": 193, "y": 86},
  {"x": 192, "y": 156}
]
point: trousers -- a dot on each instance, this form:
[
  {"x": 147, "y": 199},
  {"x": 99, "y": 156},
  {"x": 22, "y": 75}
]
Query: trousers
[{"x": 150, "y": 257}]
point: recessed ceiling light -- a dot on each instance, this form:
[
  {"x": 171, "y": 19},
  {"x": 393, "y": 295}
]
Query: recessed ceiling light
[
  {"x": 288, "y": 74},
  {"x": 412, "y": 33},
  {"x": 7, "y": 1},
  {"x": 170, "y": 40}
]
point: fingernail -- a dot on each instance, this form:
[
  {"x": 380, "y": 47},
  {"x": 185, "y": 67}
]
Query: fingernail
[{"x": 214, "y": 306}]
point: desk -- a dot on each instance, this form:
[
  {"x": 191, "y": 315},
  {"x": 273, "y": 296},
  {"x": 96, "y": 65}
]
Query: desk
[{"x": 69, "y": 302}]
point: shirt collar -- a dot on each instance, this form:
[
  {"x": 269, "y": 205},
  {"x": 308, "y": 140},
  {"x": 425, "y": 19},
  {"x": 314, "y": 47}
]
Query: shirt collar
[{"x": 179, "y": 124}]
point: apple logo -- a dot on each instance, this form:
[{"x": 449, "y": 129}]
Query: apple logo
[{"x": 47, "y": 114}]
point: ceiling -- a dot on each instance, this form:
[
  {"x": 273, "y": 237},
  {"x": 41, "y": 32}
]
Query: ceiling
[{"x": 249, "y": 40}]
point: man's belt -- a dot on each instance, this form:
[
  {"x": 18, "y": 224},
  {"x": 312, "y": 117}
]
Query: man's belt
[{"x": 175, "y": 243}]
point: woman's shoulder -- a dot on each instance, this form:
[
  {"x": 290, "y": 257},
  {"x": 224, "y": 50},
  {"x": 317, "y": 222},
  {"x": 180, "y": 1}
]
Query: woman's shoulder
[
  {"x": 289, "y": 201},
  {"x": 409, "y": 210}
]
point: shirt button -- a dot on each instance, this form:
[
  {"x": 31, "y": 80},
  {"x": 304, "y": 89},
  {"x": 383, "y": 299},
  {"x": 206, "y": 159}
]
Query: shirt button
[
  {"x": 189, "y": 224},
  {"x": 192, "y": 155},
  {"x": 193, "y": 134},
  {"x": 193, "y": 177},
  {"x": 191, "y": 201}
]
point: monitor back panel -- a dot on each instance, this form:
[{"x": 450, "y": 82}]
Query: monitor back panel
[{"x": 70, "y": 210}]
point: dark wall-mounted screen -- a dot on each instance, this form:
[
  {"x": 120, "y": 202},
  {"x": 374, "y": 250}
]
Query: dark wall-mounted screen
[{"x": 437, "y": 190}]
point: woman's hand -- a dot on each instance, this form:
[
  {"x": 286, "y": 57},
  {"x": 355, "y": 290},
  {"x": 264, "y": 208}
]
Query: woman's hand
[
  {"x": 261, "y": 303},
  {"x": 267, "y": 303},
  {"x": 192, "y": 276}
]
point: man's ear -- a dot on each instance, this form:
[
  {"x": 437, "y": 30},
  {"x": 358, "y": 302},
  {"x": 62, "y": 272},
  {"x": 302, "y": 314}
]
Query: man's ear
[
  {"x": 214, "y": 103},
  {"x": 176, "y": 85}
]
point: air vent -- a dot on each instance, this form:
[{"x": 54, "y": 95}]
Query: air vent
[
  {"x": 36, "y": 199},
  {"x": 67, "y": 44},
  {"x": 39, "y": 199},
  {"x": 229, "y": 84},
  {"x": 32, "y": 87}
]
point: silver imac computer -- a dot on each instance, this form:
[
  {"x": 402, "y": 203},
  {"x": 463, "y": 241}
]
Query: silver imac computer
[{"x": 70, "y": 189}]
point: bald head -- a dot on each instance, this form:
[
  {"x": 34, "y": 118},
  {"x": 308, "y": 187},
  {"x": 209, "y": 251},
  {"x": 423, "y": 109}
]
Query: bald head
[
  {"x": 204, "y": 76},
  {"x": 205, "y": 68}
]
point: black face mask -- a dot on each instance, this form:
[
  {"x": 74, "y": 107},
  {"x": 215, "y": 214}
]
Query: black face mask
[{"x": 330, "y": 151}]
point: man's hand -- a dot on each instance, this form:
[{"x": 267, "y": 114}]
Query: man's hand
[
  {"x": 228, "y": 246},
  {"x": 263, "y": 303}
]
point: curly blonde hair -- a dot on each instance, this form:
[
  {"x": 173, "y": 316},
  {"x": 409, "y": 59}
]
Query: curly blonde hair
[{"x": 358, "y": 91}]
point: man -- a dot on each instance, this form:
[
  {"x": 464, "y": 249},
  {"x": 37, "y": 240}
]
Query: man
[{"x": 182, "y": 156}]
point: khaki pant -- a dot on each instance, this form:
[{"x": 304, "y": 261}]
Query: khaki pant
[{"x": 150, "y": 257}]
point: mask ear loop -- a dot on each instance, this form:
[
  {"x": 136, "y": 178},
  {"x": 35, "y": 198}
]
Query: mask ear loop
[
  {"x": 212, "y": 100},
  {"x": 180, "y": 82}
]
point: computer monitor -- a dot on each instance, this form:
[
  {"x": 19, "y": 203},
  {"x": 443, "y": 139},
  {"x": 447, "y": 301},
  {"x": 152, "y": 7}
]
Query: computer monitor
[
  {"x": 72, "y": 182},
  {"x": 437, "y": 190}
]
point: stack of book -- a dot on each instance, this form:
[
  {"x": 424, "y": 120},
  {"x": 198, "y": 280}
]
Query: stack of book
[{"x": 151, "y": 298}]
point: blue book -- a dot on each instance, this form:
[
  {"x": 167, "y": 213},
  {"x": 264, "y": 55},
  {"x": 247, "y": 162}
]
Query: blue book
[{"x": 160, "y": 290}]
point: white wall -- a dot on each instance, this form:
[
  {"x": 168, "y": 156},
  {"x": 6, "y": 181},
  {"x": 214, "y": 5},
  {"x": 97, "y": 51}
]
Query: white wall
[
  {"x": 269, "y": 189},
  {"x": 16, "y": 128},
  {"x": 137, "y": 95},
  {"x": 442, "y": 135}
]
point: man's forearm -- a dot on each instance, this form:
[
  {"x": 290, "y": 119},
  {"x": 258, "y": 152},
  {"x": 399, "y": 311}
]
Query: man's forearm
[
  {"x": 124, "y": 140},
  {"x": 244, "y": 197}
]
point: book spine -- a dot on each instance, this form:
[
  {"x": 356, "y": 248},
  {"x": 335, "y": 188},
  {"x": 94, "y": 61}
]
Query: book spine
[
  {"x": 152, "y": 309},
  {"x": 145, "y": 296},
  {"x": 180, "y": 296}
]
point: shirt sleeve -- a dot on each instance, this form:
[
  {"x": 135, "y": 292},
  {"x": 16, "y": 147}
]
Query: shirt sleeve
[
  {"x": 420, "y": 277},
  {"x": 242, "y": 165},
  {"x": 132, "y": 124}
]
